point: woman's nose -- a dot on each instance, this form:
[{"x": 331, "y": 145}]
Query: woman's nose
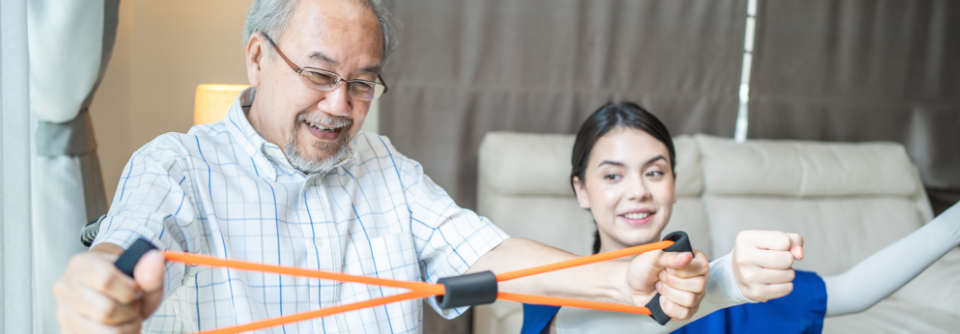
[{"x": 637, "y": 189}]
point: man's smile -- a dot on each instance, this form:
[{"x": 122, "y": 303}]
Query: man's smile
[{"x": 323, "y": 132}]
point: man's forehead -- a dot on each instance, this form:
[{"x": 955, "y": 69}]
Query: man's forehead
[
  {"x": 335, "y": 32},
  {"x": 318, "y": 55}
]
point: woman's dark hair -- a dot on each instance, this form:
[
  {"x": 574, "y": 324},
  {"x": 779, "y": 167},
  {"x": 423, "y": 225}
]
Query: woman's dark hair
[{"x": 602, "y": 121}]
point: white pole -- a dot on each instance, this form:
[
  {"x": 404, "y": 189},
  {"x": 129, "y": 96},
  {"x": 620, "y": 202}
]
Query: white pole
[{"x": 740, "y": 133}]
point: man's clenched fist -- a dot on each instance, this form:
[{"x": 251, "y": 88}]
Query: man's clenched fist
[{"x": 93, "y": 296}]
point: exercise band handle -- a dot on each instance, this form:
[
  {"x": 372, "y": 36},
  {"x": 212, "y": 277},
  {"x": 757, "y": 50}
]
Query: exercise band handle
[
  {"x": 128, "y": 260},
  {"x": 468, "y": 290},
  {"x": 681, "y": 243}
]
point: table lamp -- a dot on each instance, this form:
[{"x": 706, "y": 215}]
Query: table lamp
[{"x": 213, "y": 101}]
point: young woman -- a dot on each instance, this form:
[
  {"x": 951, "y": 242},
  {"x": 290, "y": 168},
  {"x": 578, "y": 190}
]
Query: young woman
[{"x": 623, "y": 172}]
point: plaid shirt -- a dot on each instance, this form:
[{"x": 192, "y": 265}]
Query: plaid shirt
[{"x": 222, "y": 190}]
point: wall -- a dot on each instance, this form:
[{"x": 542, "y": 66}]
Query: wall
[{"x": 164, "y": 50}]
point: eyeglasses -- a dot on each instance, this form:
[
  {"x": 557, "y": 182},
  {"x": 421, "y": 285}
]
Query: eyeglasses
[{"x": 326, "y": 81}]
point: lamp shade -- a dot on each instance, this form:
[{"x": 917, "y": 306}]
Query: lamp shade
[{"x": 213, "y": 101}]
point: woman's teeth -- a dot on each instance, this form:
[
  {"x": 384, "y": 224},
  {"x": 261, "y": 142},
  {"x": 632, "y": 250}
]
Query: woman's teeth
[
  {"x": 318, "y": 127},
  {"x": 634, "y": 216}
]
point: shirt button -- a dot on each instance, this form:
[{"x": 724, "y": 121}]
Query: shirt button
[{"x": 318, "y": 242}]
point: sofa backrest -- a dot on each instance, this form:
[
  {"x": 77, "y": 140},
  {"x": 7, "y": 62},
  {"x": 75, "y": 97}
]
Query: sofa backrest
[{"x": 848, "y": 200}]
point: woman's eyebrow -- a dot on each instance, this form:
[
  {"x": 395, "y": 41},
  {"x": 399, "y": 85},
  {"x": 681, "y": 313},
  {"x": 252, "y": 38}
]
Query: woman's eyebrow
[
  {"x": 611, "y": 162},
  {"x": 659, "y": 157},
  {"x": 620, "y": 164}
]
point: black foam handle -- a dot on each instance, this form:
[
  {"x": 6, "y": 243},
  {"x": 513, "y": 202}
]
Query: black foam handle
[
  {"x": 128, "y": 260},
  {"x": 468, "y": 290},
  {"x": 681, "y": 243}
]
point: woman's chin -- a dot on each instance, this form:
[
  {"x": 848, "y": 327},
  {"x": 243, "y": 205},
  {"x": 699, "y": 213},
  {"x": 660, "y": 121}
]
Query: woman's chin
[{"x": 641, "y": 235}]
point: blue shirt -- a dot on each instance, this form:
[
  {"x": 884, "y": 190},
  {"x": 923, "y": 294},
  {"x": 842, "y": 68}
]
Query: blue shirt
[{"x": 801, "y": 311}]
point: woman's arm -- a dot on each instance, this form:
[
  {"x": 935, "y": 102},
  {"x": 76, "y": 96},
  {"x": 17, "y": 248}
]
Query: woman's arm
[
  {"x": 760, "y": 264},
  {"x": 722, "y": 292},
  {"x": 886, "y": 271}
]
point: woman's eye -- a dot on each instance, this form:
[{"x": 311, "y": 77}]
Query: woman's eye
[
  {"x": 655, "y": 173},
  {"x": 612, "y": 177}
]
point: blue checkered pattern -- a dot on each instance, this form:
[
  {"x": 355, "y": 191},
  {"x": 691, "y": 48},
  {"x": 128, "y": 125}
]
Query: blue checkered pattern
[{"x": 222, "y": 190}]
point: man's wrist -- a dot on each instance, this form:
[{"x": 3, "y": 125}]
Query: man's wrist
[{"x": 110, "y": 250}]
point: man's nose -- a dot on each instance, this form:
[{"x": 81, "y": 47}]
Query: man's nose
[{"x": 337, "y": 101}]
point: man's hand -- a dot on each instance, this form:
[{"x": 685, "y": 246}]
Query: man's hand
[
  {"x": 763, "y": 263},
  {"x": 680, "y": 278},
  {"x": 93, "y": 296}
]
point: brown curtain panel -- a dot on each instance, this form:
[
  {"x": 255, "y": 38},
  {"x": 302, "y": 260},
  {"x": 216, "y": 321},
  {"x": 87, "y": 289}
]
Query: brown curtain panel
[
  {"x": 466, "y": 67},
  {"x": 863, "y": 70}
]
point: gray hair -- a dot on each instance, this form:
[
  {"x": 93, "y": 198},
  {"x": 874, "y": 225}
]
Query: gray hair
[{"x": 270, "y": 17}]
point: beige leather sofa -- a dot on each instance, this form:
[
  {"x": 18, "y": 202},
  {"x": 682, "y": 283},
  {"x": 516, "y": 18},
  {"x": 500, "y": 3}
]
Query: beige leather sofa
[{"x": 847, "y": 199}]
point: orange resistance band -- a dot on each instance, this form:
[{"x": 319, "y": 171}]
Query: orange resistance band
[{"x": 417, "y": 289}]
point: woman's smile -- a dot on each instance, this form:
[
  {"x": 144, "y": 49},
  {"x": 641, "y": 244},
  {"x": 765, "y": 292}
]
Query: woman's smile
[{"x": 637, "y": 217}]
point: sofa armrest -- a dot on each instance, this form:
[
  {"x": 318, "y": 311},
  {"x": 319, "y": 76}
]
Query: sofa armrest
[{"x": 937, "y": 287}]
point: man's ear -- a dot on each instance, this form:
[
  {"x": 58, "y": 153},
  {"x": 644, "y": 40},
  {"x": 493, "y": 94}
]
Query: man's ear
[
  {"x": 256, "y": 50},
  {"x": 581, "y": 191}
]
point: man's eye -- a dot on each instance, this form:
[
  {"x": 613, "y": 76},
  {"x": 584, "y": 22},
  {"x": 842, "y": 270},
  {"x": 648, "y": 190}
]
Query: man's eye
[
  {"x": 321, "y": 79},
  {"x": 362, "y": 87}
]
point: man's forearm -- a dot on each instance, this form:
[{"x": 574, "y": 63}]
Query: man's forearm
[{"x": 604, "y": 281}]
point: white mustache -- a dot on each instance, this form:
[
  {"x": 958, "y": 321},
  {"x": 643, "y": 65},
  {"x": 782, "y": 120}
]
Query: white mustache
[{"x": 327, "y": 122}]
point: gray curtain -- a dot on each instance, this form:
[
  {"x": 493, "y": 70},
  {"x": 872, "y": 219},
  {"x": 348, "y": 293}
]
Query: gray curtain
[
  {"x": 466, "y": 67},
  {"x": 863, "y": 70},
  {"x": 70, "y": 46},
  {"x": 16, "y": 258}
]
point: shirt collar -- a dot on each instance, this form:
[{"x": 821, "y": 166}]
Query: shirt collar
[{"x": 265, "y": 155}]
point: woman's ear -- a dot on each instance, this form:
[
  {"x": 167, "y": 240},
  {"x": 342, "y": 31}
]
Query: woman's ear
[
  {"x": 256, "y": 49},
  {"x": 674, "y": 187},
  {"x": 581, "y": 191}
]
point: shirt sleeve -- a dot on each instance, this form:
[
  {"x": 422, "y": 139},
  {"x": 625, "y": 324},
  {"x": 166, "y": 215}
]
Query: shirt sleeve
[
  {"x": 152, "y": 202},
  {"x": 448, "y": 238}
]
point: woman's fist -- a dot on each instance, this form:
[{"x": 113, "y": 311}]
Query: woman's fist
[{"x": 763, "y": 263}]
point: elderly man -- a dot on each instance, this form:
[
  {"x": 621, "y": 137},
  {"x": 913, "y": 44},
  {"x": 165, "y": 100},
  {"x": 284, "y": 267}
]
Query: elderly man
[{"x": 287, "y": 178}]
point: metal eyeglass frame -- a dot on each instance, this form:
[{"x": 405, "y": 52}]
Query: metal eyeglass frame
[{"x": 338, "y": 77}]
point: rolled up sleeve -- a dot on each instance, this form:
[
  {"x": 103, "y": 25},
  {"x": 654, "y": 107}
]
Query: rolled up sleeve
[{"x": 153, "y": 202}]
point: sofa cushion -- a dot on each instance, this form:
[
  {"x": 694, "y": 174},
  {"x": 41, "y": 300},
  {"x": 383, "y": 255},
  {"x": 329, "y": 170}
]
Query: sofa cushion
[
  {"x": 526, "y": 164},
  {"x": 805, "y": 168},
  {"x": 938, "y": 286},
  {"x": 894, "y": 315},
  {"x": 838, "y": 231},
  {"x": 552, "y": 220}
]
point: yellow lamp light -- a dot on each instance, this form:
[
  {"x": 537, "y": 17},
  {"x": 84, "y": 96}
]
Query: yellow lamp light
[{"x": 213, "y": 101}]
